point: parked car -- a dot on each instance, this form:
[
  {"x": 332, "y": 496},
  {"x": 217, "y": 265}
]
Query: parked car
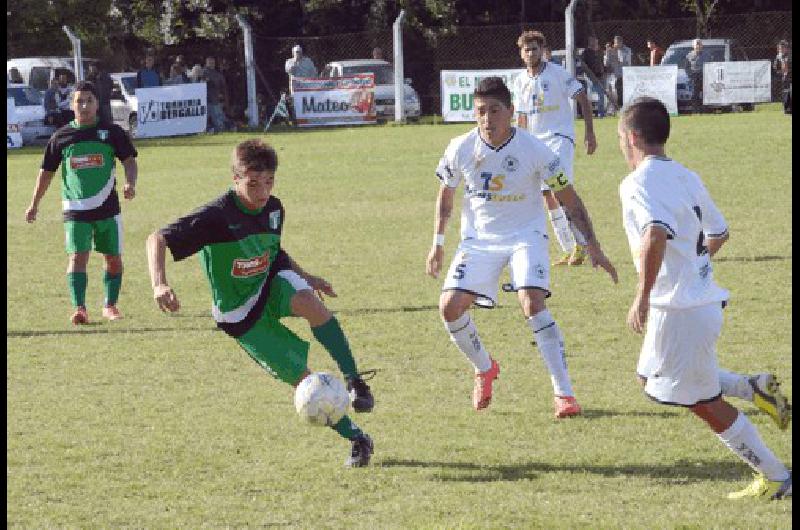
[
  {"x": 719, "y": 50},
  {"x": 123, "y": 101},
  {"x": 29, "y": 110},
  {"x": 384, "y": 84},
  {"x": 38, "y": 71}
]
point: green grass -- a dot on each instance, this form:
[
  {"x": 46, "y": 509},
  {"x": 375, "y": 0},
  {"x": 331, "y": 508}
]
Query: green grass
[{"x": 161, "y": 421}]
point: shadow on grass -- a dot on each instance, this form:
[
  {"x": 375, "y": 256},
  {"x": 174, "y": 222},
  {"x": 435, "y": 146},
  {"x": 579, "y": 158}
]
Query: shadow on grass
[
  {"x": 681, "y": 472},
  {"x": 753, "y": 258},
  {"x": 372, "y": 310},
  {"x": 602, "y": 413}
]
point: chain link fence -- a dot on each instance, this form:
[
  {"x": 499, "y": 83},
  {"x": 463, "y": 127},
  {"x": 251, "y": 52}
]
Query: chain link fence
[{"x": 485, "y": 47}]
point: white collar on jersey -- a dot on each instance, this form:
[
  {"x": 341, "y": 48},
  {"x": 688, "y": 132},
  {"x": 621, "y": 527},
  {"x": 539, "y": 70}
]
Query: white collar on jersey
[{"x": 501, "y": 146}]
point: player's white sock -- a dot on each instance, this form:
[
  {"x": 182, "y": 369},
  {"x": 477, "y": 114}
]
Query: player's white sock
[
  {"x": 735, "y": 385},
  {"x": 551, "y": 345},
  {"x": 742, "y": 438},
  {"x": 562, "y": 229},
  {"x": 465, "y": 335},
  {"x": 577, "y": 235}
]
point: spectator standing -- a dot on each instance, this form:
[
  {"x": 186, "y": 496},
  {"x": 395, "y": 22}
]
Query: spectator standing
[
  {"x": 196, "y": 74},
  {"x": 299, "y": 65},
  {"x": 216, "y": 95},
  {"x": 177, "y": 75},
  {"x": 782, "y": 65},
  {"x": 593, "y": 64},
  {"x": 148, "y": 76},
  {"x": 611, "y": 65},
  {"x": 103, "y": 84},
  {"x": 15, "y": 77},
  {"x": 656, "y": 52},
  {"x": 693, "y": 65},
  {"x": 624, "y": 59},
  {"x": 64, "y": 97},
  {"x": 52, "y": 112},
  {"x": 377, "y": 54}
]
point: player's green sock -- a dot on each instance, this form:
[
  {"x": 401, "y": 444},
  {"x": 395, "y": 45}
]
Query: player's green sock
[
  {"x": 77, "y": 288},
  {"x": 347, "y": 429},
  {"x": 331, "y": 336},
  {"x": 112, "y": 284}
]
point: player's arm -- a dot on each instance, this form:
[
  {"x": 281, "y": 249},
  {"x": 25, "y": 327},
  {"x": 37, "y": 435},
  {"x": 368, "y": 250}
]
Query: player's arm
[
  {"x": 131, "y": 174},
  {"x": 156, "y": 263},
  {"x": 42, "y": 183},
  {"x": 589, "y": 139},
  {"x": 651, "y": 255},
  {"x": 444, "y": 209},
  {"x": 320, "y": 285},
  {"x": 579, "y": 216}
]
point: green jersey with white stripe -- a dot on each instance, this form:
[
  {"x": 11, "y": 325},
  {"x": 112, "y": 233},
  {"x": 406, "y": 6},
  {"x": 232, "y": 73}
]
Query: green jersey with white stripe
[
  {"x": 87, "y": 155},
  {"x": 240, "y": 252}
]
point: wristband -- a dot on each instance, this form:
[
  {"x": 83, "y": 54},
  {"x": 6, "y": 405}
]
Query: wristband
[{"x": 438, "y": 240}]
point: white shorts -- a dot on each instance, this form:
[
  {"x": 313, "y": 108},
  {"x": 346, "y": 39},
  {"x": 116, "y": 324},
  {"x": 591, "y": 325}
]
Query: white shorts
[
  {"x": 679, "y": 356},
  {"x": 476, "y": 268},
  {"x": 565, "y": 149}
]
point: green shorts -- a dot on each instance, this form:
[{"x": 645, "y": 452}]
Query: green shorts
[
  {"x": 271, "y": 344},
  {"x": 106, "y": 234}
]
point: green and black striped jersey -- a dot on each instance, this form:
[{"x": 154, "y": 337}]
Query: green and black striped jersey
[
  {"x": 86, "y": 156},
  {"x": 240, "y": 251}
]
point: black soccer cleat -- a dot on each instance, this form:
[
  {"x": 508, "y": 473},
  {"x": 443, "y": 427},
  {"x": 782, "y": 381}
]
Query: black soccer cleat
[
  {"x": 360, "y": 395},
  {"x": 361, "y": 452}
]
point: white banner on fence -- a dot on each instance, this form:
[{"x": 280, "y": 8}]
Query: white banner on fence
[
  {"x": 338, "y": 101},
  {"x": 658, "y": 82},
  {"x": 171, "y": 110},
  {"x": 737, "y": 82},
  {"x": 13, "y": 135},
  {"x": 457, "y": 87}
]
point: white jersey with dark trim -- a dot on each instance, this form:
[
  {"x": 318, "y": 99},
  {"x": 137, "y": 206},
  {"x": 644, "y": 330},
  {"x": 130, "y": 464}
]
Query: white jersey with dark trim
[
  {"x": 502, "y": 185},
  {"x": 545, "y": 100},
  {"x": 664, "y": 193}
]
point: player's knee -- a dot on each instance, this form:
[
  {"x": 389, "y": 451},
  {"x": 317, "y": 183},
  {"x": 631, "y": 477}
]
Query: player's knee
[
  {"x": 450, "y": 309},
  {"x": 78, "y": 261},
  {"x": 306, "y": 304},
  {"x": 114, "y": 264}
]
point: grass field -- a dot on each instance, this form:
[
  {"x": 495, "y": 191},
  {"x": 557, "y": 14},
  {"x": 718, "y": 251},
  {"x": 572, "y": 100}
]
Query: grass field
[{"x": 162, "y": 421}]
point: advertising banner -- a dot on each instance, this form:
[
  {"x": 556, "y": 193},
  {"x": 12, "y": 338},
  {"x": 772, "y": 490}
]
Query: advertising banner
[
  {"x": 659, "y": 82},
  {"x": 337, "y": 101},
  {"x": 457, "y": 87},
  {"x": 737, "y": 82},
  {"x": 171, "y": 110},
  {"x": 13, "y": 134}
]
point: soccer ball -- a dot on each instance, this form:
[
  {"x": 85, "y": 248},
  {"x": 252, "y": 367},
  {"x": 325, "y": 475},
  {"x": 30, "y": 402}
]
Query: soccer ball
[{"x": 321, "y": 399}]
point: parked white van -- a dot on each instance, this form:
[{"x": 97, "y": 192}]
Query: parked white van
[
  {"x": 38, "y": 71},
  {"x": 123, "y": 100}
]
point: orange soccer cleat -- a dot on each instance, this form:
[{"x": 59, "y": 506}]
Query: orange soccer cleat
[
  {"x": 566, "y": 406},
  {"x": 111, "y": 313},
  {"x": 80, "y": 316},
  {"x": 482, "y": 393}
]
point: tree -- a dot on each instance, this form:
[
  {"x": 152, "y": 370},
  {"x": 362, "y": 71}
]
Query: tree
[{"x": 702, "y": 9}]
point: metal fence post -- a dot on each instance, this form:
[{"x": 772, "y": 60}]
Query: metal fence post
[
  {"x": 569, "y": 44},
  {"x": 252, "y": 105},
  {"x": 76, "y": 53},
  {"x": 399, "y": 79}
]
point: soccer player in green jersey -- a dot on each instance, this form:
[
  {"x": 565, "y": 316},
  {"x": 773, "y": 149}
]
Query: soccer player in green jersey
[
  {"x": 254, "y": 282},
  {"x": 85, "y": 149}
]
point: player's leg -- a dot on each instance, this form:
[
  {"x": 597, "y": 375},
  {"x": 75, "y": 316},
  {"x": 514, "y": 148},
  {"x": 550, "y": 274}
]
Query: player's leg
[
  {"x": 472, "y": 278},
  {"x": 530, "y": 275},
  {"x": 108, "y": 241},
  {"x": 284, "y": 355},
  {"x": 78, "y": 240},
  {"x": 293, "y": 290},
  {"x": 773, "y": 480},
  {"x": 761, "y": 389}
]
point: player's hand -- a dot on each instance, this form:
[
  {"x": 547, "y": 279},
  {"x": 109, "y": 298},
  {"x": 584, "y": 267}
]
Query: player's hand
[
  {"x": 434, "y": 264},
  {"x": 598, "y": 259},
  {"x": 129, "y": 191},
  {"x": 30, "y": 213},
  {"x": 591, "y": 142},
  {"x": 165, "y": 298},
  {"x": 637, "y": 315},
  {"x": 321, "y": 286}
]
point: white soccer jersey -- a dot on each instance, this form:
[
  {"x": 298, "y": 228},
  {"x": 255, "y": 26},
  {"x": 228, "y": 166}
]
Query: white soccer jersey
[
  {"x": 502, "y": 185},
  {"x": 662, "y": 192},
  {"x": 545, "y": 99}
]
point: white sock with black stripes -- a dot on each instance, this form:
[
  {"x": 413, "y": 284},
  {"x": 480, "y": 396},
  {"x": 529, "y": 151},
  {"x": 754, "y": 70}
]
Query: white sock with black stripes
[
  {"x": 561, "y": 227},
  {"x": 577, "y": 235},
  {"x": 551, "y": 346},
  {"x": 735, "y": 385},
  {"x": 743, "y": 439},
  {"x": 465, "y": 335}
]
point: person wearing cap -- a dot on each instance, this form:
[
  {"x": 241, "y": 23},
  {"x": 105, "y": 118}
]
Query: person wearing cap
[{"x": 299, "y": 65}]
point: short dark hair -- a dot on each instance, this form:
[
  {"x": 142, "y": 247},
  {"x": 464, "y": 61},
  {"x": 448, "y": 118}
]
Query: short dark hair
[
  {"x": 493, "y": 87},
  {"x": 85, "y": 86},
  {"x": 648, "y": 118},
  {"x": 254, "y": 155}
]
